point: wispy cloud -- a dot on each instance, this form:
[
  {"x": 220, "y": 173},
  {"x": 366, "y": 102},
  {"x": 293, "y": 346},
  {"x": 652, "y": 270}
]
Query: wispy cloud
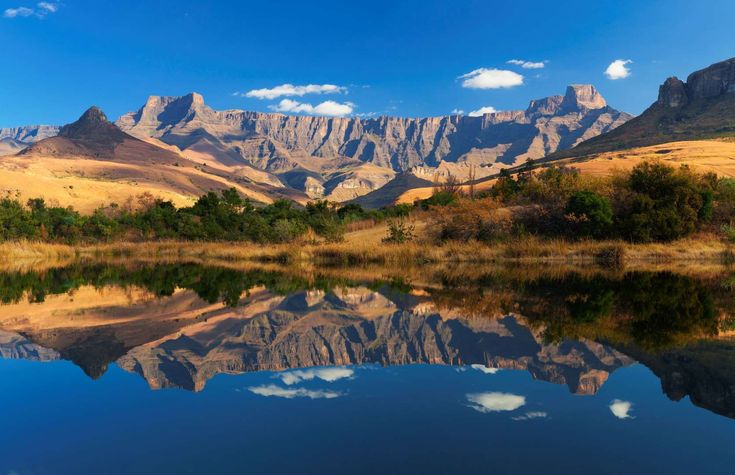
[
  {"x": 329, "y": 375},
  {"x": 271, "y": 390},
  {"x": 491, "y": 78},
  {"x": 618, "y": 69},
  {"x": 40, "y": 11},
  {"x": 528, "y": 64},
  {"x": 479, "y": 113},
  {"x": 531, "y": 415},
  {"x": 495, "y": 402},
  {"x": 326, "y": 108},
  {"x": 621, "y": 409},
  {"x": 290, "y": 90},
  {"x": 456, "y": 111}
]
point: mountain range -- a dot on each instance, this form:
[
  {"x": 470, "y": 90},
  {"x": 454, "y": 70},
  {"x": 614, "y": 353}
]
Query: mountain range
[
  {"x": 177, "y": 148},
  {"x": 271, "y": 155}
]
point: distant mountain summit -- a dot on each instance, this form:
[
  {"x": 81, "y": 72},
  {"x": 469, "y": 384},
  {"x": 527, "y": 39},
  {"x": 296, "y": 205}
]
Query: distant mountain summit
[
  {"x": 703, "y": 107},
  {"x": 344, "y": 158},
  {"x": 14, "y": 139}
]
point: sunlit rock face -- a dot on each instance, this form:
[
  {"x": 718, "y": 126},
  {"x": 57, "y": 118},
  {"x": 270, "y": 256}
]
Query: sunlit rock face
[{"x": 334, "y": 151}]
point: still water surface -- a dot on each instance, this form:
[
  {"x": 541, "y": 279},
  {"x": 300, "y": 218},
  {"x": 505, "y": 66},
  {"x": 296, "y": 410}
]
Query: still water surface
[{"x": 181, "y": 368}]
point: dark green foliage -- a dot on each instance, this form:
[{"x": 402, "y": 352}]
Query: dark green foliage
[
  {"x": 654, "y": 202},
  {"x": 660, "y": 203},
  {"x": 591, "y": 215}
]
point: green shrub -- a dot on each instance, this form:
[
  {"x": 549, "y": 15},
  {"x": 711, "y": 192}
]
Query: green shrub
[{"x": 590, "y": 214}]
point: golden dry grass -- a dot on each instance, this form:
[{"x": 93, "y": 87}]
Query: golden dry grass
[{"x": 701, "y": 250}]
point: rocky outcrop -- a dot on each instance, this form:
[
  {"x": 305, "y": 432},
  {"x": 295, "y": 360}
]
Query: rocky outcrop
[
  {"x": 673, "y": 93},
  {"x": 709, "y": 83}
]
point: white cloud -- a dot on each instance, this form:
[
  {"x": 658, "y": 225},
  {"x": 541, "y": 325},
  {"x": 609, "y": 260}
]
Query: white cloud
[
  {"x": 289, "y": 90},
  {"x": 528, "y": 64},
  {"x": 531, "y": 415},
  {"x": 621, "y": 409},
  {"x": 457, "y": 112},
  {"x": 482, "y": 367},
  {"x": 326, "y": 108},
  {"x": 618, "y": 69},
  {"x": 482, "y": 111},
  {"x": 271, "y": 390},
  {"x": 43, "y": 9},
  {"x": 49, "y": 7},
  {"x": 16, "y": 12},
  {"x": 495, "y": 402},
  {"x": 329, "y": 375},
  {"x": 485, "y": 78}
]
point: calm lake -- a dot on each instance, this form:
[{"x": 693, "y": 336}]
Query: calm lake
[{"x": 188, "y": 369}]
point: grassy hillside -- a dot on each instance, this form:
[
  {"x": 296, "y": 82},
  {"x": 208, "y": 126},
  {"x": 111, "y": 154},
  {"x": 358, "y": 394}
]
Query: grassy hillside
[{"x": 702, "y": 119}]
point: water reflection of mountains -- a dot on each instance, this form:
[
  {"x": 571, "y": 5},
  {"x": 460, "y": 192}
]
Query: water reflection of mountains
[{"x": 180, "y": 325}]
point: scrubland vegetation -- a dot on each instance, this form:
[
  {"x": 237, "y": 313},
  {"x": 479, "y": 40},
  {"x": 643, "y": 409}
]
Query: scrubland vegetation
[{"x": 553, "y": 213}]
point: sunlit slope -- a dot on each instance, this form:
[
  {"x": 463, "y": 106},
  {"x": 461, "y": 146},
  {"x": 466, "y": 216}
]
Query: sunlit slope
[
  {"x": 716, "y": 156},
  {"x": 92, "y": 163}
]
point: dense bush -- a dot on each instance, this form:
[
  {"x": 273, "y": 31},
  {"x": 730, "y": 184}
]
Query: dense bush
[
  {"x": 590, "y": 214},
  {"x": 652, "y": 202},
  {"x": 223, "y": 216}
]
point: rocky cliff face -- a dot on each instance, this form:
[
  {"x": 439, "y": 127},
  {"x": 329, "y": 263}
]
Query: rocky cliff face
[
  {"x": 703, "y": 107},
  {"x": 14, "y": 139},
  {"x": 710, "y": 83},
  {"x": 280, "y": 143},
  {"x": 713, "y": 81}
]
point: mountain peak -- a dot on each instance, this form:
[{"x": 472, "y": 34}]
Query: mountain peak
[
  {"x": 583, "y": 96},
  {"x": 92, "y": 125}
]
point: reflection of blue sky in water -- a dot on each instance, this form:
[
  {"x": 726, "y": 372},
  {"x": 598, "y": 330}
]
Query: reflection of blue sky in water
[{"x": 398, "y": 414}]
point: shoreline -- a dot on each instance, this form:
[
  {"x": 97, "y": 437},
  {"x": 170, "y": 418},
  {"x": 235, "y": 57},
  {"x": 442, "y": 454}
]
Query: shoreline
[{"x": 697, "y": 249}]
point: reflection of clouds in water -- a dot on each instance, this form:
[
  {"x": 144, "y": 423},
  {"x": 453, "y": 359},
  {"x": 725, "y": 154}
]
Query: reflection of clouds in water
[
  {"x": 478, "y": 367},
  {"x": 484, "y": 369},
  {"x": 495, "y": 402},
  {"x": 621, "y": 409},
  {"x": 271, "y": 390},
  {"x": 531, "y": 415},
  {"x": 329, "y": 375}
]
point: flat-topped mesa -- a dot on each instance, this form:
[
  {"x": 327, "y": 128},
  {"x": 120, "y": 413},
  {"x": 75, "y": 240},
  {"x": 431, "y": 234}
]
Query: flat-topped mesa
[
  {"x": 580, "y": 97},
  {"x": 713, "y": 81}
]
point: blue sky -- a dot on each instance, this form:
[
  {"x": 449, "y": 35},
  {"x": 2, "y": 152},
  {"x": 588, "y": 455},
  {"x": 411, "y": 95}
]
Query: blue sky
[{"x": 394, "y": 57}]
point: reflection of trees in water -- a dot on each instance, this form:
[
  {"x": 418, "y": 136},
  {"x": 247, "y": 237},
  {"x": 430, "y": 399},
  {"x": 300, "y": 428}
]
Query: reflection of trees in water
[
  {"x": 212, "y": 284},
  {"x": 652, "y": 310}
]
